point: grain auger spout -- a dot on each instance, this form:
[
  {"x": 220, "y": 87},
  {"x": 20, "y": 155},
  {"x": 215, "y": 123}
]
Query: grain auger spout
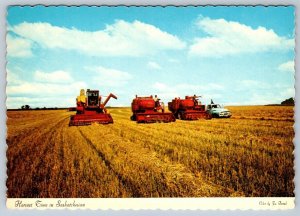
[
  {"x": 108, "y": 98},
  {"x": 89, "y": 109}
]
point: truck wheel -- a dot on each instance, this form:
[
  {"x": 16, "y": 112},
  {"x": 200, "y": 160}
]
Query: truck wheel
[{"x": 209, "y": 116}]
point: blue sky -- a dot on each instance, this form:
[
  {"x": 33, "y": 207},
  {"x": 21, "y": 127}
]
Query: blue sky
[{"x": 234, "y": 55}]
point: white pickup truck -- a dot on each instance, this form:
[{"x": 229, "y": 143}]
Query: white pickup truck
[{"x": 217, "y": 111}]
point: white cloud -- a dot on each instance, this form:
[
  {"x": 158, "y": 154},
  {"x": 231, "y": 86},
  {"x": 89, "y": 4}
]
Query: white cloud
[
  {"x": 266, "y": 98},
  {"x": 258, "y": 92},
  {"x": 200, "y": 88},
  {"x": 18, "y": 47},
  {"x": 161, "y": 87},
  {"x": 261, "y": 99},
  {"x": 256, "y": 99},
  {"x": 230, "y": 38},
  {"x": 119, "y": 39},
  {"x": 173, "y": 60},
  {"x": 262, "y": 93},
  {"x": 288, "y": 93},
  {"x": 287, "y": 67},
  {"x": 189, "y": 87},
  {"x": 47, "y": 89},
  {"x": 42, "y": 92},
  {"x": 33, "y": 102},
  {"x": 206, "y": 91},
  {"x": 38, "y": 89},
  {"x": 108, "y": 76},
  {"x": 154, "y": 65},
  {"x": 252, "y": 84},
  {"x": 12, "y": 78},
  {"x": 53, "y": 77}
]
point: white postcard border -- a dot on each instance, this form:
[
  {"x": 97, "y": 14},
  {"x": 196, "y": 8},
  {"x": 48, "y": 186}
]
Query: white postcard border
[
  {"x": 237, "y": 203},
  {"x": 205, "y": 203}
]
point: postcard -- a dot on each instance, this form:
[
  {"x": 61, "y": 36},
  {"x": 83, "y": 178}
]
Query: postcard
[{"x": 115, "y": 107}]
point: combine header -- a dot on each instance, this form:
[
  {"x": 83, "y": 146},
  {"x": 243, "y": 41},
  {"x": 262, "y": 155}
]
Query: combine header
[
  {"x": 189, "y": 108},
  {"x": 149, "y": 109},
  {"x": 89, "y": 109}
]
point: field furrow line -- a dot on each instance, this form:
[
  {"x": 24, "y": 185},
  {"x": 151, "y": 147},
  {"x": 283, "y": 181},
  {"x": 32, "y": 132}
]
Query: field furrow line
[
  {"x": 80, "y": 172},
  {"x": 48, "y": 158},
  {"x": 132, "y": 156},
  {"x": 191, "y": 159},
  {"x": 205, "y": 138},
  {"x": 219, "y": 157},
  {"x": 123, "y": 181},
  {"x": 28, "y": 160}
]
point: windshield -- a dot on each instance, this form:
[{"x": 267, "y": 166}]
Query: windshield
[
  {"x": 93, "y": 98},
  {"x": 215, "y": 106},
  {"x": 92, "y": 94}
]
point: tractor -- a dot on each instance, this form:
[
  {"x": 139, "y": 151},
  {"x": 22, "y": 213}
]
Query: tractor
[
  {"x": 89, "y": 109},
  {"x": 149, "y": 110},
  {"x": 189, "y": 108}
]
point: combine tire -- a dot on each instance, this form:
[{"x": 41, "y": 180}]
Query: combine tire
[{"x": 180, "y": 116}]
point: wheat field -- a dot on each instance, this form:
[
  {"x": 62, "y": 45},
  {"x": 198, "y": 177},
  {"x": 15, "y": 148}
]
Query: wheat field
[{"x": 250, "y": 154}]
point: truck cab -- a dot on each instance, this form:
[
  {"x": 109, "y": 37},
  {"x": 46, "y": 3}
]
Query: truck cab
[{"x": 218, "y": 111}]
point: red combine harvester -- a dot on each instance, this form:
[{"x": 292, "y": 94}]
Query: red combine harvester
[
  {"x": 149, "y": 109},
  {"x": 89, "y": 109},
  {"x": 189, "y": 108}
]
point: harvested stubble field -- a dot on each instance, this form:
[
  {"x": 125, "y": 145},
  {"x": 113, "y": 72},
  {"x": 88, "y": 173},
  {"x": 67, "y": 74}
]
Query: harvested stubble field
[{"x": 250, "y": 154}]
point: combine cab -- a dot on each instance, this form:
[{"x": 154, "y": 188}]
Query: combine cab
[
  {"x": 89, "y": 109},
  {"x": 149, "y": 110},
  {"x": 189, "y": 108}
]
